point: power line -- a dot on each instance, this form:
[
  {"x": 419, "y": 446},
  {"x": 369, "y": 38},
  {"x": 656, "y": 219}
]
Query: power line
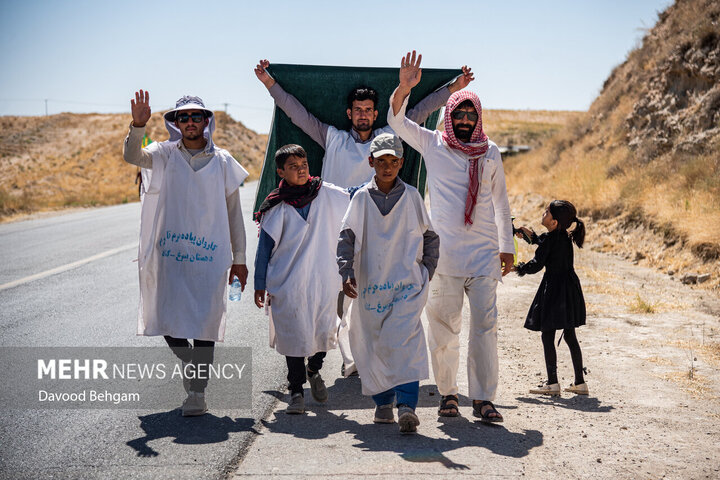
[
  {"x": 124, "y": 106},
  {"x": 57, "y": 100}
]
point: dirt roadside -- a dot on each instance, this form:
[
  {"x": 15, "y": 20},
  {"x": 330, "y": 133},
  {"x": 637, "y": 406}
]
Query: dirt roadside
[{"x": 653, "y": 409}]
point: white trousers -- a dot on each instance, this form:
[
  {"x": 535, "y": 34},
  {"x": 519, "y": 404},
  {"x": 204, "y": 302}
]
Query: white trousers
[
  {"x": 343, "y": 334},
  {"x": 444, "y": 313}
]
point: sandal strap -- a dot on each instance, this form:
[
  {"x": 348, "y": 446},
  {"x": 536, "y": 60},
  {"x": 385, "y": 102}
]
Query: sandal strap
[
  {"x": 485, "y": 403},
  {"x": 445, "y": 405}
]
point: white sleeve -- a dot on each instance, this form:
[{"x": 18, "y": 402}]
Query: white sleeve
[
  {"x": 501, "y": 204},
  {"x": 416, "y": 136},
  {"x": 235, "y": 175},
  {"x": 237, "y": 227}
]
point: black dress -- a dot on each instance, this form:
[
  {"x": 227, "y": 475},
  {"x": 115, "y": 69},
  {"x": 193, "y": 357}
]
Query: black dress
[{"x": 559, "y": 301}]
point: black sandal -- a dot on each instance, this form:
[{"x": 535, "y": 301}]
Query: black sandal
[
  {"x": 478, "y": 408},
  {"x": 444, "y": 405}
]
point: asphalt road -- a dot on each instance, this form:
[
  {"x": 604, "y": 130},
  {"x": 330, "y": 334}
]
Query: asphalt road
[{"x": 90, "y": 298}]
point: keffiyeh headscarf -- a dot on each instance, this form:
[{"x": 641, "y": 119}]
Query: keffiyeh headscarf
[
  {"x": 296, "y": 195},
  {"x": 476, "y": 148}
]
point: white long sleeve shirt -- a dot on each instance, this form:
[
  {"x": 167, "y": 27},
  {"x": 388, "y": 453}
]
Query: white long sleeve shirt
[{"x": 465, "y": 250}]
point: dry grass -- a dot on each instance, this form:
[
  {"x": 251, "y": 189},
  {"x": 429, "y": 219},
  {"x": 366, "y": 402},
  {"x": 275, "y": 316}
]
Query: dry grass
[
  {"x": 70, "y": 160},
  {"x": 602, "y": 283},
  {"x": 525, "y": 127},
  {"x": 674, "y": 195},
  {"x": 639, "y": 305},
  {"x": 709, "y": 351},
  {"x": 692, "y": 382},
  {"x": 662, "y": 361}
]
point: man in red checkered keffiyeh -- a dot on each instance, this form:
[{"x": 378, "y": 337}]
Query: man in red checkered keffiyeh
[
  {"x": 476, "y": 246},
  {"x": 464, "y": 132}
]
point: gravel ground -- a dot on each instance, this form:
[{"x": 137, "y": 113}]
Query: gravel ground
[{"x": 652, "y": 348}]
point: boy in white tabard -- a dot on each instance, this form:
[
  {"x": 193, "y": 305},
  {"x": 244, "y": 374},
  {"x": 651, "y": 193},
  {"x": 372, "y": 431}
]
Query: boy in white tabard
[
  {"x": 295, "y": 264},
  {"x": 387, "y": 253}
]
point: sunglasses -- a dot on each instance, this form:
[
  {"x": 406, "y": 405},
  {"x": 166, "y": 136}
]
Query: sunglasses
[
  {"x": 460, "y": 114},
  {"x": 185, "y": 117}
]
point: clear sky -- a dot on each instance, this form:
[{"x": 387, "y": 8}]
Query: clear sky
[{"x": 90, "y": 55}]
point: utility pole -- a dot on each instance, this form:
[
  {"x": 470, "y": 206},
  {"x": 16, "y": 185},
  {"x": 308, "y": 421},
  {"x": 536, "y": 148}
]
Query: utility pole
[
  {"x": 225, "y": 107},
  {"x": 46, "y": 100}
]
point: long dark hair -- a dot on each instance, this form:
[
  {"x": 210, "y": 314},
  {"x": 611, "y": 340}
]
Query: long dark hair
[{"x": 566, "y": 214}]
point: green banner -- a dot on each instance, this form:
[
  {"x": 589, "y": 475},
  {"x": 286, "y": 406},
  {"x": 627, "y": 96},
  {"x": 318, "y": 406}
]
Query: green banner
[{"x": 323, "y": 91}]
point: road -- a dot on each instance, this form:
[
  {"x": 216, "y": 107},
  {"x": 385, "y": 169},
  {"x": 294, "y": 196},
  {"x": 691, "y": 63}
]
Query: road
[{"x": 90, "y": 298}]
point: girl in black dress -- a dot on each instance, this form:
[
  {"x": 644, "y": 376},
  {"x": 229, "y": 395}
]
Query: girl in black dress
[{"x": 559, "y": 302}]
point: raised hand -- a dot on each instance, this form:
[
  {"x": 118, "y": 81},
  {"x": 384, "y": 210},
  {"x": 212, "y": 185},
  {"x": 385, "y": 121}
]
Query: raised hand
[
  {"x": 410, "y": 71},
  {"x": 140, "y": 108},
  {"x": 463, "y": 80},
  {"x": 263, "y": 75}
]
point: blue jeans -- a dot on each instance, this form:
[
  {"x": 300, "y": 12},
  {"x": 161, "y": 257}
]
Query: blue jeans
[{"x": 407, "y": 394}]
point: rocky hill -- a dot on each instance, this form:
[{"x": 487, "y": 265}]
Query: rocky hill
[
  {"x": 70, "y": 159},
  {"x": 644, "y": 162}
]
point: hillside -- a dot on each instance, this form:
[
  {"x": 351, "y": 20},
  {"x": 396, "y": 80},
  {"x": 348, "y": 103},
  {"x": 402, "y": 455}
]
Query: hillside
[
  {"x": 644, "y": 163},
  {"x": 526, "y": 127},
  {"x": 70, "y": 160}
]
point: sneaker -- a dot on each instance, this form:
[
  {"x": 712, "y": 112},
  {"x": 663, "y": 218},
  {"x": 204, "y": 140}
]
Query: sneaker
[
  {"x": 547, "y": 389},
  {"x": 194, "y": 405},
  {"x": 384, "y": 414},
  {"x": 186, "y": 380},
  {"x": 407, "y": 420},
  {"x": 580, "y": 389},
  {"x": 317, "y": 388},
  {"x": 296, "y": 405}
]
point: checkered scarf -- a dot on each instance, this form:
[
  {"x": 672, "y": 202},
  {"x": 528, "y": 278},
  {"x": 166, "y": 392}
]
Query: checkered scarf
[
  {"x": 476, "y": 149},
  {"x": 296, "y": 195}
]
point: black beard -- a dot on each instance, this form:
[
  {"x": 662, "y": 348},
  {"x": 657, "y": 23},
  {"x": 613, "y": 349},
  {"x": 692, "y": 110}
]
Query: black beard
[
  {"x": 191, "y": 136},
  {"x": 462, "y": 135},
  {"x": 362, "y": 128}
]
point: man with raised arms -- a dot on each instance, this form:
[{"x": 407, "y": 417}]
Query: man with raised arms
[{"x": 471, "y": 213}]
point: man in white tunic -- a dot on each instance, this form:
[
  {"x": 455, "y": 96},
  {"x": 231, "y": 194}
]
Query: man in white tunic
[
  {"x": 346, "y": 152},
  {"x": 471, "y": 213},
  {"x": 192, "y": 236}
]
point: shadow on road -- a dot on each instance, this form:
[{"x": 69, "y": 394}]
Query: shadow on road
[
  {"x": 345, "y": 394},
  {"x": 186, "y": 430},
  {"x": 578, "y": 402}
]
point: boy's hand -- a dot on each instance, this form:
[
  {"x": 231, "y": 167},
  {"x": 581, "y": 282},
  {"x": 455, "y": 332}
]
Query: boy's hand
[
  {"x": 140, "y": 108},
  {"x": 263, "y": 75},
  {"x": 350, "y": 288},
  {"x": 506, "y": 260},
  {"x": 260, "y": 298}
]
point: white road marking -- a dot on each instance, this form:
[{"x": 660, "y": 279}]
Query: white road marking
[{"x": 66, "y": 267}]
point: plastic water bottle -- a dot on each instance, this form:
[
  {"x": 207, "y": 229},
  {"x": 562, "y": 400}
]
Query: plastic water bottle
[{"x": 235, "y": 290}]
